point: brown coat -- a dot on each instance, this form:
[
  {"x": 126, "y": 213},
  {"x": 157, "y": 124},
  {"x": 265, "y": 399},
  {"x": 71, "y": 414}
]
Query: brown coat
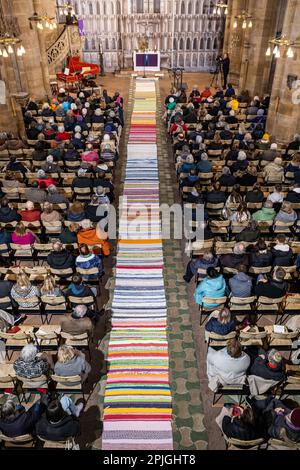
[{"x": 76, "y": 326}]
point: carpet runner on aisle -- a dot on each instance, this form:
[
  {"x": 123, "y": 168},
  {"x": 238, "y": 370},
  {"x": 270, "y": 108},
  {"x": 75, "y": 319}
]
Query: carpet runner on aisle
[{"x": 137, "y": 402}]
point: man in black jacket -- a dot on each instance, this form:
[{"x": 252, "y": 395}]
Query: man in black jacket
[
  {"x": 7, "y": 214},
  {"x": 16, "y": 421},
  {"x": 56, "y": 425},
  {"x": 275, "y": 287},
  {"x": 268, "y": 366},
  {"x": 60, "y": 258},
  {"x": 82, "y": 181}
]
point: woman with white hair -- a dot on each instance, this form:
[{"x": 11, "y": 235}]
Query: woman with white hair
[
  {"x": 187, "y": 165},
  {"x": 62, "y": 135},
  {"x": 16, "y": 421},
  {"x": 32, "y": 364},
  {"x": 204, "y": 165},
  {"x": 90, "y": 155},
  {"x": 274, "y": 169},
  {"x": 98, "y": 116},
  {"x": 30, "y": 214},
  {"x": 47, "y": 111},
  {"x": 50, "y": 167},
  {"x": 51, "y": 218}
]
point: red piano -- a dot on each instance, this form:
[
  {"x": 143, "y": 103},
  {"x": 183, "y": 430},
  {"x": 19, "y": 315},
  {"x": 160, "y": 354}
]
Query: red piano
[{"x": 78, "y": 70}]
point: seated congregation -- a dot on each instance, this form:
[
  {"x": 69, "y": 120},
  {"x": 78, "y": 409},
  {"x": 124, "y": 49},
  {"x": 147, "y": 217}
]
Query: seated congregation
[
  {"x": 246, "y": 261},
  {"x": 56, "y": 189}
]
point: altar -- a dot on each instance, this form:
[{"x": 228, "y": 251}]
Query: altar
[{"x": 148, "y": 61}]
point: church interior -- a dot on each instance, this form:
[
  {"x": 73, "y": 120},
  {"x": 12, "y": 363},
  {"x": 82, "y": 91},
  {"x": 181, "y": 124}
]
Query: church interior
[{"x": 150, "y": 225}]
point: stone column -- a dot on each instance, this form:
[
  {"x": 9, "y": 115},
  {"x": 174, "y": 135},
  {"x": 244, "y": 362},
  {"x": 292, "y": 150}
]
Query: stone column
[{"x": 284, "y": 114}]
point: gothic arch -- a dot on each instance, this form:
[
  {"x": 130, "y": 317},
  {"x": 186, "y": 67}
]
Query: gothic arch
[
  {"x": 202, "y": 43},
  {"x": 106, "y": 44},
  {"x": 175, "y": 44},
  {"x": 211, "y": 7},
  {"x": 194, "y": 61},
  {"x": 120, "y": 44},
  {"x": 113, "y": 44},
  {"x": 90, "y": 8},
  {"x": 98, "y": 8},
  {"x": 197, "y": 7},
  {"x": 182, "y": 10},
  {"x": 201, "y": 60},
  {"x": 208, "y": 61},
  {"x": 205, "y": 8},
  {"x": 215, "y": 46},
  {"x": 93, "y": 44},
  {"x": 208, "y": 44},
  {"x": 181, "y": 46},
  {"x": 188, "y": 44},
  {"x": 195, "y": 44},
  {"x": 86, "y": 44},
  {"x": 118, "y": 8},
  {"x": 181, "y": 60},
  {"x": 188, "y": 61},
  {"x": 190, "y": 8}
]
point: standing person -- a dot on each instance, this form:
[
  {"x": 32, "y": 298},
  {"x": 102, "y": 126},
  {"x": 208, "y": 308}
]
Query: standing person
[{"x": 225, "y": 66}]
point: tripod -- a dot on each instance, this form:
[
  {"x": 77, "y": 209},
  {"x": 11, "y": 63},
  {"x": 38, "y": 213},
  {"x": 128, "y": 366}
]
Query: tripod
[{"x": 217, "y": 78}]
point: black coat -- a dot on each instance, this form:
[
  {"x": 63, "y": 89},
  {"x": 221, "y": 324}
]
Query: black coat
[
  {"x": 216, "y": 197},
  {"x": 283, "y": 258},
  {"x": 261, "y": 260},
  {"x": 61, "y": 260},
  {"x": 22, "y": 423},
  {"x": 273, "y": 289},
  {"x": 227, "y": 180},
  {"x": 67, "y": 427},
  {"x": 9, "y": 215},
  {"x": 237, "y": 430},
  {"x": 234, "y": 261},
  {"x": 261, "y": 369},
  {"x": 248, "y": 235},
  {"x": 254, "y": 196}
]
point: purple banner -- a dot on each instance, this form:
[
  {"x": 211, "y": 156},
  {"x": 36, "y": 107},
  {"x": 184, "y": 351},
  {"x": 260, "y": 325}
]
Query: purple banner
[
  {"x": 146, "y": 60},
  {"x": 81, "y": 27}
]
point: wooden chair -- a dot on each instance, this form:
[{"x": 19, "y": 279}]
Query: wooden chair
[
  {"x": 82, "y": 194},
  {"x": 278, "y": 444},
  {"x": 26, "y": 440},
  {"x": 240, "y": 390},
  {"x": 53, "y": 305},
  {"x": 32, "y": 385},
  {"x": 291, "y": 385},
  {"x": 16, "y": 341},
  {"x": 241, "y": 304},
  {"x": 252, "y": 337},
  {"x": 265, "y": 270},
  {"x": 47, "y": 444},
  {"x": 47, "y": 337},
  {"x": 217, "y": 302},
  {"x": 88, "y": 300},
  {"x": 81, "y": 341},
  {"x": 269, "y": 306},
  {"x": 62, "y": 275},
  {"x": 22, "y": 252},
  {"x": 218, "y": 341},
  {"x": 232, "y": 443},
  {"x": 70, "y": 385}
]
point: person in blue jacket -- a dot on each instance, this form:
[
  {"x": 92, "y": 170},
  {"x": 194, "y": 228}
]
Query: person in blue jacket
[
  {"x": 220, "y": 322},
  {"x": 213, "y": 285}
]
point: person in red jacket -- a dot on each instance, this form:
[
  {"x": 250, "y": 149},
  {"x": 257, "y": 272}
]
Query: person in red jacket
[
  {"x": 62, "y": 134},
  {"x": 30, "y": 214},
  {"x": 44, "y": 180},
  {"x": 206, "y": 93},
  {"x": 178, "y": 127}
]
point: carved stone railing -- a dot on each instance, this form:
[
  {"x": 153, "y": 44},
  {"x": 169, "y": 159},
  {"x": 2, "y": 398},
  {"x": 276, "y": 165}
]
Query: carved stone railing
[{"x": 67, "y": 43}]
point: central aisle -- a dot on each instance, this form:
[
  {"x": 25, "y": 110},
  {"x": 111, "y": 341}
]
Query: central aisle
[{"x": 137, "y": 405}]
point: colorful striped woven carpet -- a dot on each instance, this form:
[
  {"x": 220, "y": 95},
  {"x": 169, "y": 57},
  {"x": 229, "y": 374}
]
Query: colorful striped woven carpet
[{"x": 137, "y": 404}]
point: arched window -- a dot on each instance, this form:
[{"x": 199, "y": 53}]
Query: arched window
[
  {"x": 106, "y": 44},
  {"x": 112, "y": 11},
  {"x": 190, "y": 8},
  {"x": 195, "y": 44},
  {"x": 113, "y": 43},
  {"x": 120, "y": 44},
  {"x": 215, "y": 43},
  {"x": 197, "y": 9},
  {"x": 194, "y": 61},
  {"x": 182, "y": 8},
  {"x": 188, "y": 60},
  {"x": 175, "y": 44},
  {"x": 156, "y": 6},
  {"x": 86, "y": 44},
  {"x": 211, "y": 7},
  {"x": 118, "y": 8},
  {"x": 188, "y": 44},
  {"x": 181, "y": 60},
  {"x": 139, "y": 6},
  {"x": 90, "y": 8},
  {"x": 104, "y": 8},
  {"x": 93, "y": 44},
  {"x": 201, "y": 60},
  {"x": 181, "y": 44},
  {"x": 208, "y": 43},
  {"x": 202, "y": 43},
  {"x": 208, "y": 60},
  {"x": 205, "y": 9},
  {"x": 209, "y": 26},
  {"x": 98, "y": 8}
]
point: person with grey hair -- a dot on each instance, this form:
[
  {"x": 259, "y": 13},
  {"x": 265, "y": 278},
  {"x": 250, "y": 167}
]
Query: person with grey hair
[
  {"x": 269, "y": 366},
  {"x": 78, "y": 322},
  {"x": 267, "y": 213},
  {"x": 274, "y": 168},
  {"x": 31, "y": 363},
  {"x": 16, "y": 421},
  {"x": 294, "y": 144},
  {"x": 50, "y": 167},
  {"x": 226, "y": 134},
  {"x": 82, "y": 181},
  {"x": 204, "y": 165},
  {"x": 226, "y": 178},
  {"x": 55, "y": 197},
  {"x": 237, "y": 258}
]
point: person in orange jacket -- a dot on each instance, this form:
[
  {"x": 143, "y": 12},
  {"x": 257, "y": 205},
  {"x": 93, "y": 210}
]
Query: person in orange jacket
[{"x": 93, "y": 236}]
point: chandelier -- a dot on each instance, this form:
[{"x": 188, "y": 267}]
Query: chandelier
[
  {"x": 219, "y": 7},
  {"x": 43, "y": 21},
  {"x": 281, "y": 41},
  {"x": 246, "y": 19},
  {"x": 67, "y": 9},
  {"x": 10, "y": 42}
]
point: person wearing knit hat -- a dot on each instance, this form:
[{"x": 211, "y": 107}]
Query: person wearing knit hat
[
  {"x": 283, "y": 423},
  {"x": 269, "y": 366}
]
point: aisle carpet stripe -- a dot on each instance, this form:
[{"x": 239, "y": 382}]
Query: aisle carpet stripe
[{"x": 137, "y": 403}]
